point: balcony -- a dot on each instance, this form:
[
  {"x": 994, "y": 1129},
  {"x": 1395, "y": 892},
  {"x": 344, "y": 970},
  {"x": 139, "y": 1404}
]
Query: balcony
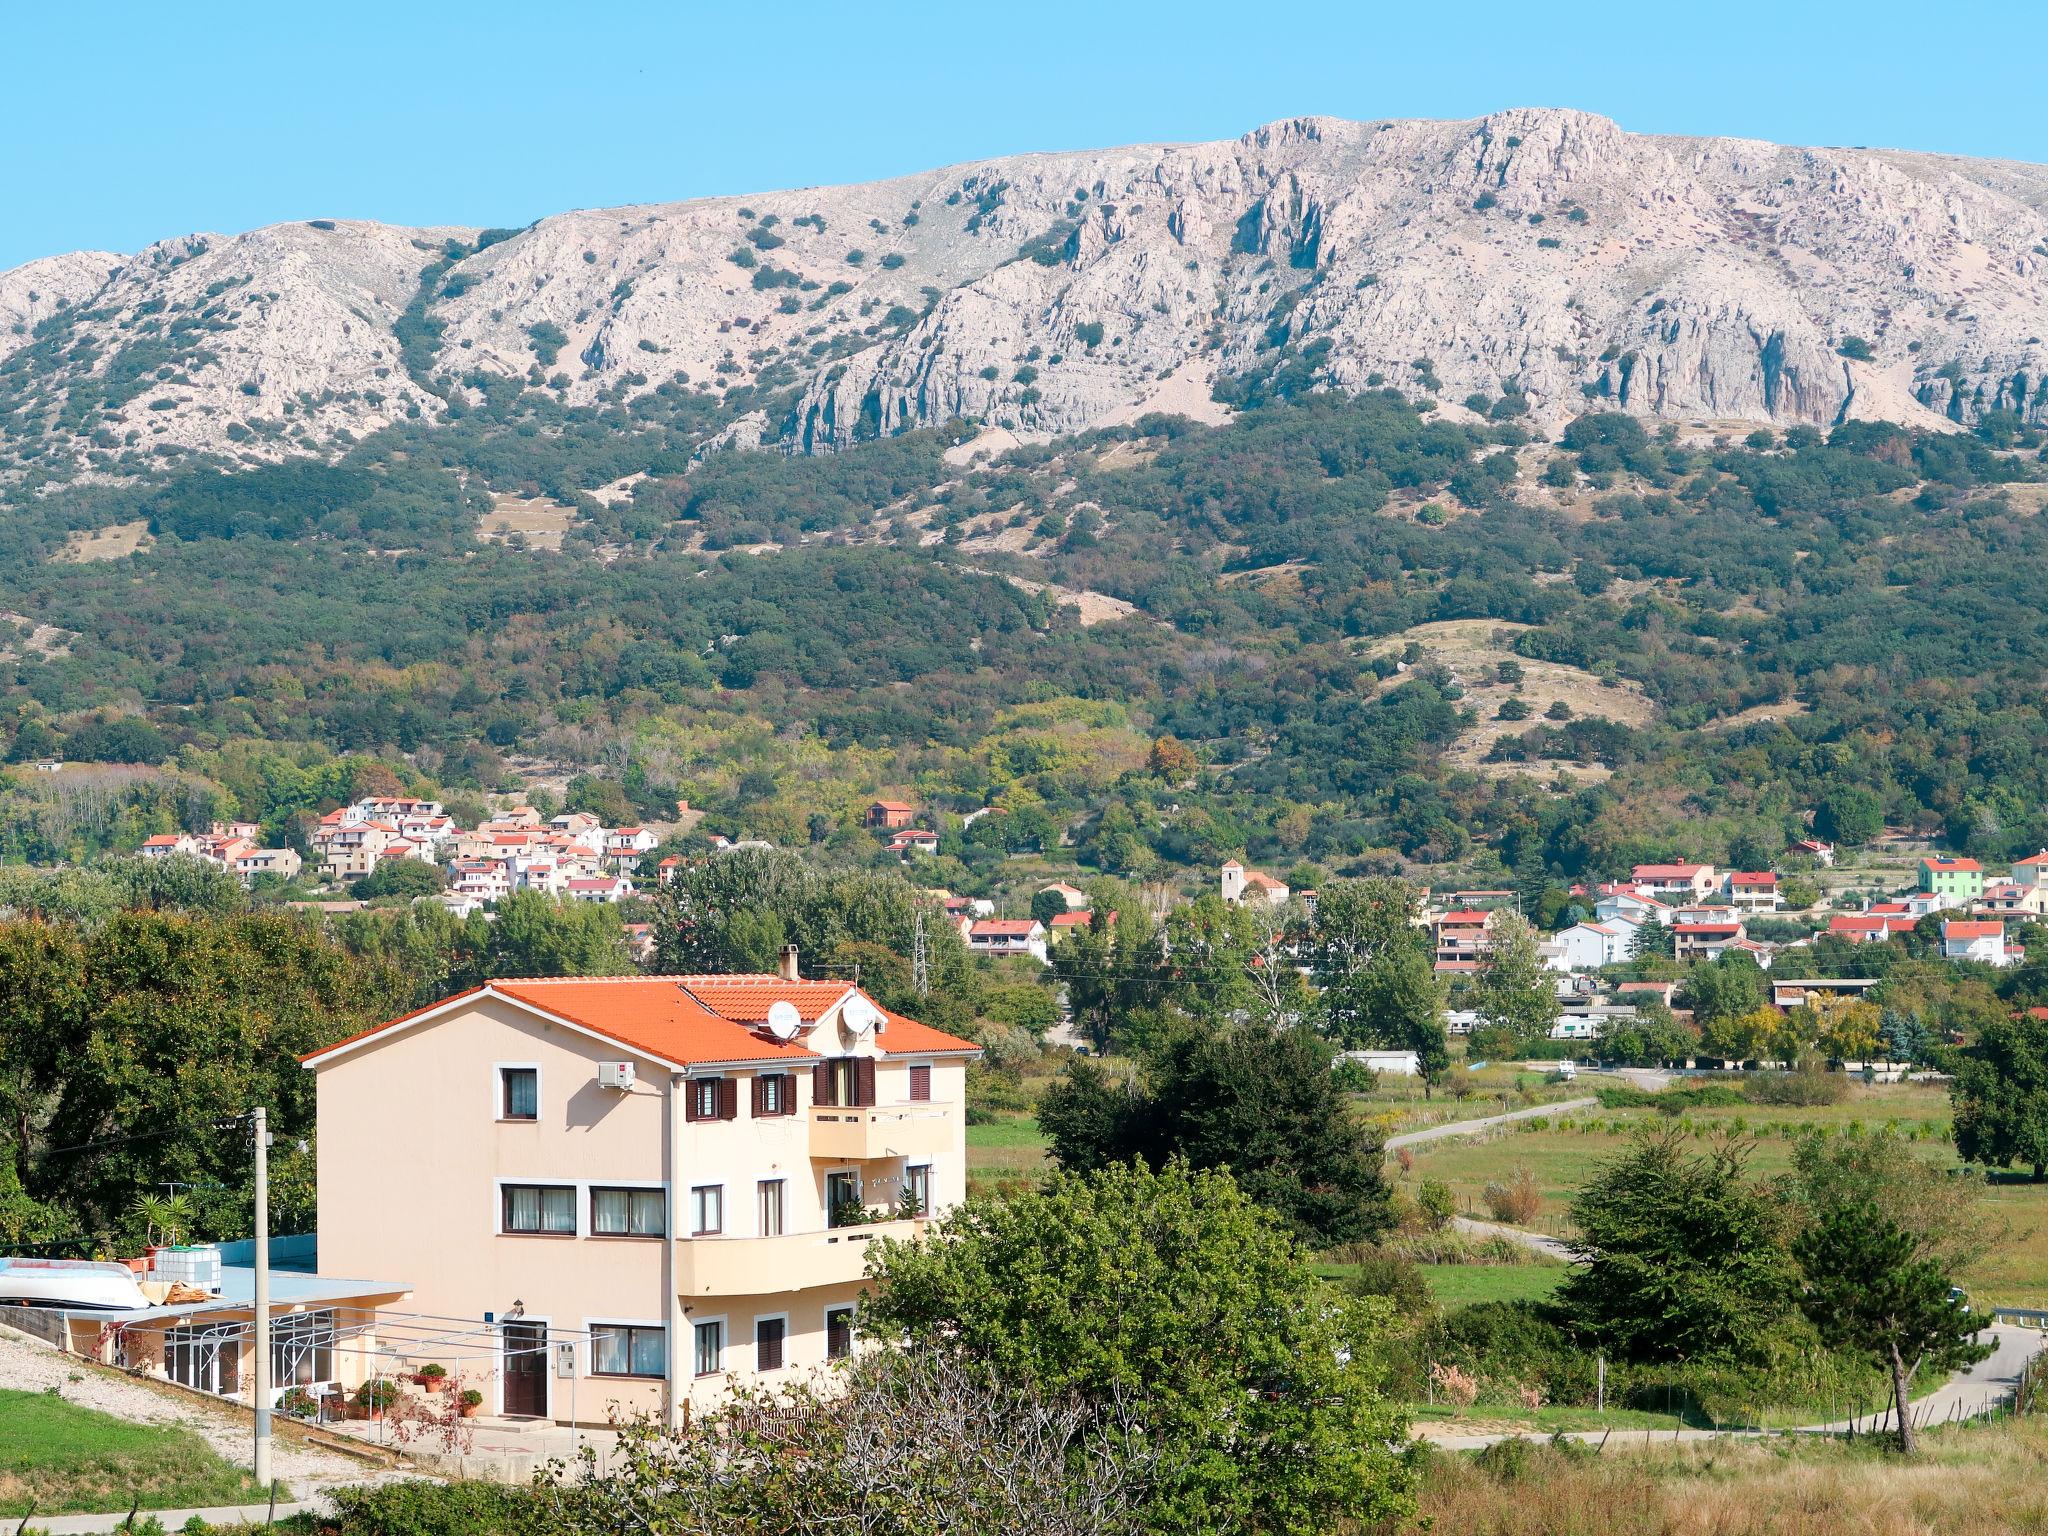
[
  {"x": 852, "y": 1134},
  {"x": 797, "y": 1261}
]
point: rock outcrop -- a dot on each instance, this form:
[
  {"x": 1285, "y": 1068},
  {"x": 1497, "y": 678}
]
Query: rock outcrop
[{"x": 1542, "y": 252}]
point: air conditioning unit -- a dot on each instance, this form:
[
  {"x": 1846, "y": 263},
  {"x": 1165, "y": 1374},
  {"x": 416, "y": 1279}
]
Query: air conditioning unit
[{"x": 615, "y": 1074}]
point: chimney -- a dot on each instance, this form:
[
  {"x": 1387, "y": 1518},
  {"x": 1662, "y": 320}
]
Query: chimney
[{"x": 788, "y": 971}]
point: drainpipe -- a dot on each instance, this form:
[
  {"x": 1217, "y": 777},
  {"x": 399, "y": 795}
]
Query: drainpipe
[{"x": 671, "y": 1269}]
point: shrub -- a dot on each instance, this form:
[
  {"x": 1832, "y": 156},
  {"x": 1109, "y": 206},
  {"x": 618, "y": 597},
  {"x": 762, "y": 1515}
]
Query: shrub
[
  {"x": 416, "y": 1507},
  {"x": 1517, "y": 1201},
  {"x": 892, "y": 261},
  {"x": 1806, "y": 1087},
  {"x": 1436, "y": 1204},
  {"x": 1390, "y": 1273}
]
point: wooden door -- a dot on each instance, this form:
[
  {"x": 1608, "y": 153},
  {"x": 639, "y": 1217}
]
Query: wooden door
[{"x": 526, "y": 1370}]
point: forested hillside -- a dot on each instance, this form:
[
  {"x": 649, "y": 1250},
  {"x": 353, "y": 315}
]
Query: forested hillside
[{"x": 1374, "y": 635}]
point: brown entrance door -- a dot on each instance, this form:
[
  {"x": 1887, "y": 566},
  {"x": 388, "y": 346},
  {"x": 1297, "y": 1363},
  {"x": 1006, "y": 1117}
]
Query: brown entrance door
[{"x": 526, "y": 1370}]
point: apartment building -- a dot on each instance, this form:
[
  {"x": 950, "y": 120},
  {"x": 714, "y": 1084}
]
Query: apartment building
[{"x": 644, "y": 1188}]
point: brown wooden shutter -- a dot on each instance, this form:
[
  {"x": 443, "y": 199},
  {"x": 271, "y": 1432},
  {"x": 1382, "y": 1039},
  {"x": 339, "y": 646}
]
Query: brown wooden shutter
[
  {"x": 690, "y": 1100},
  {"x": 821, "y": 1084},
  {"x": 865, "y": 1093},
  {"x": 728, "y": 1099},
  {"x": 760, "y": 1106},
  {"x": 920, "y": 1085},
  {"x": 768, "y": 1344}
]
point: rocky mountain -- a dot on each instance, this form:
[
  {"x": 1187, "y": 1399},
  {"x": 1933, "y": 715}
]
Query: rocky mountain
[{"x": 1543, "y": 253}]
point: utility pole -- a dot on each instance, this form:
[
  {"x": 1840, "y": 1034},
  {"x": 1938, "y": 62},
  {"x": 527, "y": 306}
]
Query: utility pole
[
  {"x": 260, "y": 1122},
  {"x": 920, "y": 961}
]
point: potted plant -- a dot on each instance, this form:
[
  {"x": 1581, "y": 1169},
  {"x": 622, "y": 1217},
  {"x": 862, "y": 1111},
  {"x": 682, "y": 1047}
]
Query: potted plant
[
  {"x": 373, "y": 1397},
  {"x": 471, "y": 1401},
  {"x": 433, "y": 1376},
  {"x": 299, "y": 1403}
]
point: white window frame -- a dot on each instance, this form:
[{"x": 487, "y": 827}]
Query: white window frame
[
  {"x": 760, "y": 1185},
  {"x": 930, "y": 1182},
  {"x": 754, "y": 1341},
  {"x": 691, "y": 1085},
  {"x": 825, "y": 1190},
  {"x": 589, "y": 1344},
  {"x": 724, "y": 1344},
  {"x": 498, "y": 1071},
  {"x": 720, "y": 1229},
  {"x": 581, "y": 1195},
  {"x": 589, "y": 1188},
  {"x": 525, "y": 1317}
]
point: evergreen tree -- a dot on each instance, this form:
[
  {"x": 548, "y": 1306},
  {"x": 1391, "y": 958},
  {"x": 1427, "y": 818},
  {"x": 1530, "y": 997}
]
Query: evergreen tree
[
  {"x": 1866, "y": 1290},
  {"x": 2000, "y": 1096}
]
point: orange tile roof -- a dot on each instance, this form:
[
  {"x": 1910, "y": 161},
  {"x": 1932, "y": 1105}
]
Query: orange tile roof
[
  {"x": 1972, "y": 930},
  {"x": 747, "y": 997},
  {"x": 907, "y": 1037},
  {"x": 652, "y": 1014},
  {"x": 1938, "y": 865}
]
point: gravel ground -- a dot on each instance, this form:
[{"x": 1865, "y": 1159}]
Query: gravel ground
[{"x": 29, "y": 1365}]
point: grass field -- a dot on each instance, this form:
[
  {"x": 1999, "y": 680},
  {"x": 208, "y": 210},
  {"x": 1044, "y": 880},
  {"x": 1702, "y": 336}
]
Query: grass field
[
  {"x": 1460, "y": 1285},
  {"x": 1985, "y": 1480},
  {"x": 1003, "y": 1152},
  {"x": 1563, "y": 1154},
  {"x": 59, "y": 1458}
]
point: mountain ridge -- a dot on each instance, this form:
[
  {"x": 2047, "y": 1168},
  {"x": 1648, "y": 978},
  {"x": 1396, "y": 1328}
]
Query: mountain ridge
[{"x": 1544, "y": 254}]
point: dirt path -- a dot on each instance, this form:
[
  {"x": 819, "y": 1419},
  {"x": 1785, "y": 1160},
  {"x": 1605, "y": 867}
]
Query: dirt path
[
  {"x": 1969, "y": 1394},
  {"x": 1469, "y": 1127}
]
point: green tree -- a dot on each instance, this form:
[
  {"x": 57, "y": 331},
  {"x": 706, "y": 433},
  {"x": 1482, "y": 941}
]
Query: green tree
[
  {"x": 536, "y": 935},
  {"x": 1850, "y": 815},
  {"x": 1260, "y": 1102},
  {"x": 1724, "y": 989},
  {"x": 1685, "y": 1254},
  {"x": 1514, "y": 991},
  {"x": 1867, "y": 1289},
  {"x": 399, "y": 877},
  {"x": 1174, "y": 1291},
  {"x": 1046, "y": 905},
  {"x": 2000, "y": 1096}
]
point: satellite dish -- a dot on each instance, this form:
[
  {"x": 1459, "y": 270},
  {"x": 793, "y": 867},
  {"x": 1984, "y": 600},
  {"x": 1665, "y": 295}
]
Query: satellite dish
[
  {"x": 859, "y": 1015},
  {"x": 783, "y": 1020}
]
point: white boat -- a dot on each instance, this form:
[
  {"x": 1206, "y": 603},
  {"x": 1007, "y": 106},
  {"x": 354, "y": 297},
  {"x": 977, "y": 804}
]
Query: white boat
[{"x": 86, "y": 1284}]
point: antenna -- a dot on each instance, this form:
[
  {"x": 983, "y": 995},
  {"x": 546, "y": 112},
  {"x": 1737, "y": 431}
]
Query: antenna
[
  {"x": 783, "y": 1019},
  {"x": 920, "y": 959}
]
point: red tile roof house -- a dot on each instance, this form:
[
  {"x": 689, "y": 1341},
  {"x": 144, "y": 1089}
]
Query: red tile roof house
[
  {"x": 1688, "y": 882},
  {"x": 1008, "y": 936},
  {"x": 1753, "y": 891},
  {"x": 889, "y": 815},
  {"x": 666, "y": 1184},
  {"x": 1870, "y": 927},
  {"x": 1704, "y": 941},
  {"x": 1974, "y": 940}
]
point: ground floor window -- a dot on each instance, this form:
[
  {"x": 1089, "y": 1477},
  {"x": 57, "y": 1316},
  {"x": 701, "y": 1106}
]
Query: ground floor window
[
  {"x": 301, "y": 1349},
  {"x": 205, "y": 1359},
  {"x": 838, "y": 1332},
  {"x": 625, "y": 1349},
  {"x": 768, "y": 1336},
  {"x": 710, "y": 1348}
]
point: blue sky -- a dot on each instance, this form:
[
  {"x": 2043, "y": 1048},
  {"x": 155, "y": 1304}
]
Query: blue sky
[{"x": 123, "y": 123}]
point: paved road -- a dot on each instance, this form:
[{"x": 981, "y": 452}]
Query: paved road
[
  {"x": 1968, "y": 1394},
  {"x": 1467, "y": 1127}
]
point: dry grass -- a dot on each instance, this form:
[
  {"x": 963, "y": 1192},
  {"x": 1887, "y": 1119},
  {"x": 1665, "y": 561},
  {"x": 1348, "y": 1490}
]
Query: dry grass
[
  {"x": 115, "y": 542},
  {"x": 1984, "y": 1481},
  {"x": 1471, "y": 648},
  {"x": 539, "y": 523}
]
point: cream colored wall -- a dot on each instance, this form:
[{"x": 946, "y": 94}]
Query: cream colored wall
[{"x": 412, "y": 1153}]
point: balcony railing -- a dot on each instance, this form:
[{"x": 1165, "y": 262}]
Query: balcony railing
[
  {"x": 796, "y": 1261},
  {"x": 856, "y": 1132}
]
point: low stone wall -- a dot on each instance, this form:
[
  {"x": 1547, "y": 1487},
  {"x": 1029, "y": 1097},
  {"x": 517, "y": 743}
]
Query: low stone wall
[{"x": 45, "y": 1323}]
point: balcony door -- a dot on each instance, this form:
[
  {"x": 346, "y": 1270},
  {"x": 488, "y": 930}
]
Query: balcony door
[
  {"x": 526, "y": 1370},
  {"x": 842, "y": 1198}
]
